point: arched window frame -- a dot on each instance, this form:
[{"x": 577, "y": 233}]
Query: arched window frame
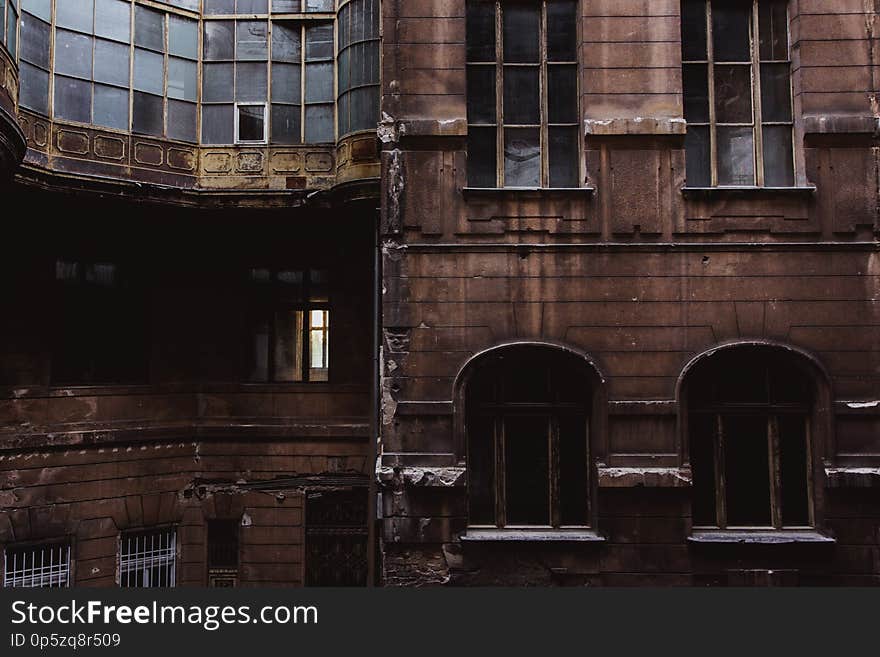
[{"x": 595, "y": 406}]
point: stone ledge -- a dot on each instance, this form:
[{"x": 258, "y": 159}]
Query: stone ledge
[
  {"x": 758, "y": 537},
  {"x": 837, "y": 124},
  {"x": 443, "y": 477},
  {"x": 852, "y": 477},
  {"x": 532, "y": 535},
  {"x": 644, "y": 477},
  {"x": 635, "y": 126}
]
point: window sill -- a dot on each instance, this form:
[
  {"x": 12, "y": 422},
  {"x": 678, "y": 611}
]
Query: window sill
[
  {"x": 758, "y": 537},
  {"x": 706, "y": 193},
  {"x": 532, "y": 536},
  {"x": 477, "y": 192}
]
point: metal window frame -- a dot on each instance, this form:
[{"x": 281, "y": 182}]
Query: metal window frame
[
  {"x": 130, "y": 563},
  {"x": 54, "y": 575},
  {"x": 543, "y": 105},
  {"x": 757, "y": 124}
]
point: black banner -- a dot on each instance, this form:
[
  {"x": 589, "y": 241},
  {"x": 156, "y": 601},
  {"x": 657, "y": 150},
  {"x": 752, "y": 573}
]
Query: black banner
[{"x": 435, "y": 621}]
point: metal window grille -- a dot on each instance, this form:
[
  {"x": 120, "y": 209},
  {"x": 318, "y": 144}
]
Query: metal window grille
[
  {"x": 37, "y": 566},
  {"x": 148, "y": 559}
]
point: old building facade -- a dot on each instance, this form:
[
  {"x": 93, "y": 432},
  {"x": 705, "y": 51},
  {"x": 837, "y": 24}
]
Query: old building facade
[{"x": 467, "y": 292}]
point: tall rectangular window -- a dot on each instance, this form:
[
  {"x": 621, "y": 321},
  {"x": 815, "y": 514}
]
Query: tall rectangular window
[
  {"x": 736, "y": 72},
  {"x": 289, "y": 326},
  {"x": 148, "y": 559},
  {"x": 37, "y": 566},
  {"x": 522, "y": 94},
  {"x": 358, "y": 66},
  {"x": 223, "y": 553}
]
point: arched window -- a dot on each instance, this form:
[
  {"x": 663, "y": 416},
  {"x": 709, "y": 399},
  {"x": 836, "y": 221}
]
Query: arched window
[
  {"x": 749, "y": 419},
  {"x": 527, "y": 411}
]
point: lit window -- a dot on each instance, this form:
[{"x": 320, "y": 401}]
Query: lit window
[
  {"x": 37, "y": 566},
  {"x": 748, "y": 427},
  {"x": 737, "y": 93},
  {"x": 289, "y": 326},
  {"x": 148, "y": 559},
  {"x": 522, "y": 94}
]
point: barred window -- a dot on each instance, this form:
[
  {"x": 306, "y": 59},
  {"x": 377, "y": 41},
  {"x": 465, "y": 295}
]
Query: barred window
[
  {"x": 37, "y": 566},
  {"x": 148, "y": 559},
  {"x": 737, "y": 93},
  {"x": 522, "y": 93}
]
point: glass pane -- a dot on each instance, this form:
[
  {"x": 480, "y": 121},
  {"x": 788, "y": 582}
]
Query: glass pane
[
  {"x": 365, "y": 108},
  {"x": 111, "y": 107},
  {"x": 251, "y": 81},
  {"x": 698, "y": 156},
  {"x": 775, "y": 93},
  {"x": 319, "y": 124},
  {"x": 149, "y": 71},
  {"x": 481, "y": 94},
  {"x": 793, "y": 469},
  {"x": 147, "y": 116},
  {"x": 182, "y": 79},
  {"x": 34, "y": 88},
  {"x": 219, "y": 43},
  {"x": 731, "y": 30},
  {"x": 40, "y": 8},
  {"x": 481, "y": 470},
  {"x": 251, "y": 40},
  {"x": 286, "y": 46},
  {"x": 319, "y": 5},
  {"x": 693, "y": 30},
  {"x": 252, "y": 6},
  {"x": 183, "y": 37},
  {"x": 73, "y": 99},
  {"x": 319, "y": 348},
  {"x": 217, "y": 82},
  {"x": 695, "y": 79},
  {"x": 251, "y": 123},
  {"x": 746, "y": 471},
  {"x": 481, "y": 157},
  {"x": 773, "y": 29},
  {"x": 563, "y": 156},
  {"x": 527, "y": 470},
  {"x": 182, "y": 121},
  {"x": 286, "y": 124},
  {"x": 736, "y": 156},
  {"x": 286, "y": 83},
  {"x": 319, "y": 42},
  {"x": 75, "y": 15},
  {"x": 562, "y": 100},
  {"x": 219, "y": 7},
  {"x": 73, "y": 54},
  {"x": 481, "y": 31},
  {"x": 733, "y": 94},
  {"x": 111, "y": 62},
  {"x": 217, "y": 124},
  {"x": 702, "y": 447},
  {"x": 522, "y": 157},
  {"x": 573, "y": 468},
  {"x": 521, "y": 95},
  {"x": 319, "y": 82},
  {"x": 562, "y": 31},
  {"x": 113, "y": 19},
  {"x": 521, "y": 33},
  {"x": 149, "y": 28},
  {"x": 288, "y": 346},
  {"x": 778, "y": 158},
  {"x": 286, "y": 6},
  {"x": 34, "y": 41}
]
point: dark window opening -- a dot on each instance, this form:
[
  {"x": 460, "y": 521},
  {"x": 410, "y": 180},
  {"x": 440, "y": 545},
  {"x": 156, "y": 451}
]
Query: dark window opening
[
  {"x": 223, "y": 553},
  {"x": 101, "y": 334},
  {"x": 736, "y": 74},
  {"x": 289, "y": 326},
  {"x": 336, "y": 537},
  {"x": 749, "y": 419},
  {"x": 527, "y": 419}
]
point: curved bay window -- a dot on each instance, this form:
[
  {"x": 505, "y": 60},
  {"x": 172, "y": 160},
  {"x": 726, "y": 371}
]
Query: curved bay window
[
  {"x": 749, "y": 429},
  {"x": 522, "y": 93},
  {"x": 527, "y": 424},
  {"x": 737, "y": 93}
]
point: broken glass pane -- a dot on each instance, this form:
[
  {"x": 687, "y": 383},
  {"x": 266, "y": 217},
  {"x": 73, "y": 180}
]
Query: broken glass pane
[{"x": 522, "y": 157}]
